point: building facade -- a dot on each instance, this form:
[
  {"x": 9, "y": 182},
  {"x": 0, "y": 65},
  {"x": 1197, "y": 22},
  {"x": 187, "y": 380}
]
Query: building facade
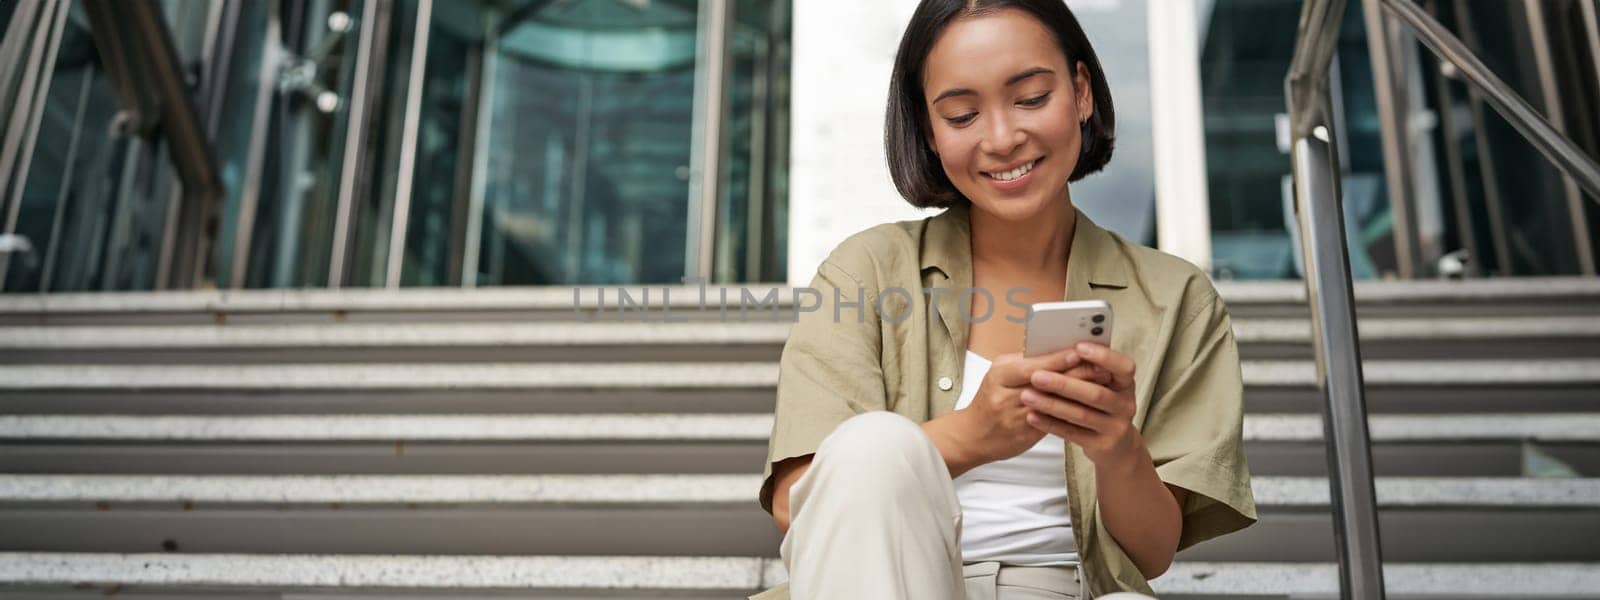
[{"x": 406, "y": 143}]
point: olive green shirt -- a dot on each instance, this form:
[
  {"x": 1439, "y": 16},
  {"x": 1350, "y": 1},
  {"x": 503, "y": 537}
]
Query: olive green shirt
[{"x": 889, "y": 353}]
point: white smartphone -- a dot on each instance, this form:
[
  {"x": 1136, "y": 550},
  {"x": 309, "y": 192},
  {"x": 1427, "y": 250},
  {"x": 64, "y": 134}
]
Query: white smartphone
[{"x": 1060, "y": 325}]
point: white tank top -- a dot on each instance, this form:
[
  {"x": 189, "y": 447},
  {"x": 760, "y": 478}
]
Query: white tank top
[{"x": 1014, "y": 511}]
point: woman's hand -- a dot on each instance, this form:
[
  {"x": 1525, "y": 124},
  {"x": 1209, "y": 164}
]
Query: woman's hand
[
  {"x": 1094, "y": 412},
  {"x": 995, "y": 426},
  {"x": 998, "y": 421}
]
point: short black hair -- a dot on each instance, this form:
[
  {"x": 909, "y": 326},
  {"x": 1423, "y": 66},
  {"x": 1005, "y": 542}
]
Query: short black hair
[{"x": 914, "y": 167}]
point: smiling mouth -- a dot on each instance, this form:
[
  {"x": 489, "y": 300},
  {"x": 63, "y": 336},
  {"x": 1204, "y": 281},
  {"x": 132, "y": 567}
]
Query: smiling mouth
[{"x": 1013, "y": 174}]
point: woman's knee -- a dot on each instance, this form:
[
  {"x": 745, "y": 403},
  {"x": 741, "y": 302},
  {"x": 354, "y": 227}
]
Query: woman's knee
[
  {"x": 873, "y": 433},
  {"x": 878, "y": 449}
]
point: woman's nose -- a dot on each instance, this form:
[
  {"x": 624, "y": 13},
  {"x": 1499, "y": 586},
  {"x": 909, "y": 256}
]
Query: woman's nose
[{"x": 1002, "y": 136}]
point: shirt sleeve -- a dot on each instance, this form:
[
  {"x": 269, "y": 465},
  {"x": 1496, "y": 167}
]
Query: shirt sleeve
[
  {"x": 831, "y": 368},
  {"x": 1194, "y": 429}
]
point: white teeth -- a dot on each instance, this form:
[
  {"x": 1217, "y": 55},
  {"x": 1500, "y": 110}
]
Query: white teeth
[{"x": 1014, "y": 173}]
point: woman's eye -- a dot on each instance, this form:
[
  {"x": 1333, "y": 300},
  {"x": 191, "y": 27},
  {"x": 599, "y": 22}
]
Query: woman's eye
[
  {"x": 1036, "y": 100},
  {"x": 961, "y": 120}
]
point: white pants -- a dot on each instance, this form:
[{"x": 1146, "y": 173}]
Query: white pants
[{"x": 876, "y": 516}]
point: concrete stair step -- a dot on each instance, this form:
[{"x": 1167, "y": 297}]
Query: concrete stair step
[
  {"x": 350, "y": 491},
  {"x": 353, "y": 423},
  {"x": 1297, "y": 534},
  {"x": 491, "y": 376},
  {"x": 1438, "y": 398},
  {"x": 1498, "y": 338},
  {"x": 1543, "y": 296},
  {"x": 341, "y": 576},
  {"x": 1272, "y": 386},
  {"x": 1573, "y": 427},
  {"x": 1425, "y": 519},
  {"x": 1477, "y": 459},
  {"x": 1460, "y": 445}
]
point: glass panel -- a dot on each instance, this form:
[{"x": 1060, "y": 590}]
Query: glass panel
[
  {"x": 445, "y": 140},
  {"x": 1122, "y": 198},
  {"x": 94, "y": 206},
  {"x": 1369, "y": 223},
  {"x": 1537, "y": 221},
  {"x": 560, "y": 132},
  {"x": 233, "y": 140},
  {"x": 755, "y": 145},
  {"x": 1244, "y": 55},
  {"x": 375, "y": 209},
  {"x": 588, "y": 149},
  {"x": 1245, "y": 51},
  {"x": 302, "y": 142}
]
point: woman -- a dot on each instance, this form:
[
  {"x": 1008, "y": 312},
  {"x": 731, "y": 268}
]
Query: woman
[{"x": 914, "y": 452}]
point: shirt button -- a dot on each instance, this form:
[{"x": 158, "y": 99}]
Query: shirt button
[{"x": 945, "y": 383}]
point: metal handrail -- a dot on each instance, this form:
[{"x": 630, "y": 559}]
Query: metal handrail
[
  {"x": 1320, "y": 213},
  {"x": 1566, "y": 155},
  {"x": 139, "y": 54},
  {"x": 1307, "y": 81}
]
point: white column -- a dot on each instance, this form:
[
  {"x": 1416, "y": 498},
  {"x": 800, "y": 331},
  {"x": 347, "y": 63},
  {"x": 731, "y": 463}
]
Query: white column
[
  {"x": 838, "y": 176},
  {"x": 1183, "y": 217}
]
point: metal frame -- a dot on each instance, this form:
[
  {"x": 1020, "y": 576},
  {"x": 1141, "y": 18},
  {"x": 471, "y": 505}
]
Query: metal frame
[
  {"x": 36, "y": 89},
  {"x": 29, "y": 35},
  {"x": 1320, "y": 213},
  {"x": 355, "y": 178},
  {"x": 408, "y": 145},
  {"x": 1487, "y": 170},
  {"x": 139, "y": 49},
  {"x": 778, "y": 129},
  {"x": 15, "y": 39},
  {"x": 1590, "y": 10},
  {"x": 578, "y": 177},
  {"x": 1321, "y": 218},
  {"x": 756, "y": 194},
  {"x": 1544, "y": 137},
  {"x": 461, "y": 203},
  {"x": 1544, "y": 63},
  {"x": 255, "y": 160},
  {"x": 705, "y": 155},
  {"x": 218, "y": 50},
  {"x": 1390, "y": 92},
  {"x": 354, "y": 143},
  {"x": 488, "y": 70},
  {"x": 1455, "y": 166},
  {"x": 52, "y": 248},
  {"x": 135, "y": 161},
  {"x": 137, "y": 111}
]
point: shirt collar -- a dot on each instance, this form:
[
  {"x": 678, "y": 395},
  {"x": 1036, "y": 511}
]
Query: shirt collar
[{"x": 1095, "y": 258}]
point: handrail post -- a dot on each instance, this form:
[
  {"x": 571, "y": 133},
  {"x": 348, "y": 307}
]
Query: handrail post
[{"x": 1331, "y": 297}]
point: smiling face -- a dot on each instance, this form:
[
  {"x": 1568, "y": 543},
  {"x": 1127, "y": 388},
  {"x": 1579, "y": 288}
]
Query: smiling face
[{"x": 1005, "y": 112}]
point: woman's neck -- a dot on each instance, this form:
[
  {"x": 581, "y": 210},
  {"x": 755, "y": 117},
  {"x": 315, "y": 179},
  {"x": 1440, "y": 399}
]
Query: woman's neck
[{"x": 1036, "y": 245}]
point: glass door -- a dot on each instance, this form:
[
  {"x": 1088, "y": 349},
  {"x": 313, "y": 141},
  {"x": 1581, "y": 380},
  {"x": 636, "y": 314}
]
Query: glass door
[{"x": 587, "y": 175}]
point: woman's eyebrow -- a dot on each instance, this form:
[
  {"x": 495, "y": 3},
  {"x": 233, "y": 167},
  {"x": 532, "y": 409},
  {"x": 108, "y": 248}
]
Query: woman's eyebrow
[
  {"x": 1014, "y": 79},
  {"x": 1010, "y": 81}
]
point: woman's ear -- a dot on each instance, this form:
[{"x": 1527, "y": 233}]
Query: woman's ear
[{"x": 1083, "y": 90}]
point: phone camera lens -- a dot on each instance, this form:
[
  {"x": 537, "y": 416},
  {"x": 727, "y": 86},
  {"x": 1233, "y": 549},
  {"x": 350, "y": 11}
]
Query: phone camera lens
[
  {"x": 1097, "y": 330},
  {"x": 1099, "y": 318}
]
